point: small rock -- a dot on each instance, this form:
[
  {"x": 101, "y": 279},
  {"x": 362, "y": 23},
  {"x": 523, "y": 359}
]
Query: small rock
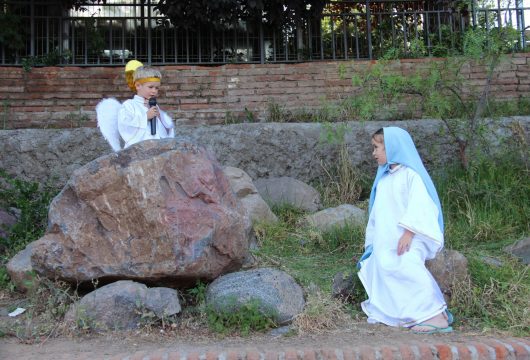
[
  {"x": 343, "y": 286},
  {"x": 520, "y": 249},
  {"x": 281, "y": 331},
  {"x": 492, "y": 261},
  {"x": 287, "y": 190},
  {"x": 342, "y": 215},
  {"x": 20, "y": 269},
  {"x": 7, "y": 220},
  {"x": 120, "y": 306}
]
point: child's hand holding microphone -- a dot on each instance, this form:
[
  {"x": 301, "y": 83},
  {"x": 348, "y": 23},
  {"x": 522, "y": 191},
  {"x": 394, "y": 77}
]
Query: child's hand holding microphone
[{"x": 152, "y": 112}]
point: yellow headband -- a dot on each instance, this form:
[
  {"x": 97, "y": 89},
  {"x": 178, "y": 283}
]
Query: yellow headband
[{"x": 147, "y": 79}]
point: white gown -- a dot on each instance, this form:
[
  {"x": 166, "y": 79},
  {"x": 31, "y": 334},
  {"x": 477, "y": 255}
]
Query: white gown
[
  {"x": 134, "y": 127},
  {"x": 401, "y": 291}
]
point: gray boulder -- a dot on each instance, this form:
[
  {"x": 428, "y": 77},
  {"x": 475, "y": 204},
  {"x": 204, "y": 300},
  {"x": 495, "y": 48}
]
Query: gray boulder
[
  {"x": 339, "y": 216},
  {"x": 247, "y": 193},
  {"x": 287, "y": 190},
  {"x": 520, "y": 249},
  {"x": 7, "y": 220},
  {"x": 275, "y": 291},
  {"x": 123, "y": 305},
  {"x": 20, "y": 270},
  {"x": 448, "y": 269}
]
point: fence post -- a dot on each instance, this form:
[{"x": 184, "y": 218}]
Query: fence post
[
  {"x": 261, "y": 43},
  {"x": 369, "y": 29}
]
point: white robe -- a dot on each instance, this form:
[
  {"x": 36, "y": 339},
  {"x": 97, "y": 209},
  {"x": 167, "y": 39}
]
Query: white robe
[
  {"x": 401, "y": 291},
  {"x": 134, "y": 127}
]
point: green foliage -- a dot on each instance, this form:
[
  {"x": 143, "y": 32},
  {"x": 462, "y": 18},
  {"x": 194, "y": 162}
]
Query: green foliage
[
  {"x": 494, "y": 297},
  {"x": 32, "y": 200},
  {"x": 241, "y": 318},
  {"x": 12, "y": 31},
  {"x": 487, "y": 204},
  {"x": 438, "y": 90},
  {"x": 333, "y": 134},
  {"x": 275, "y": 112},
  {"x": 5, "y": 281},
  {"x": 249, "y": 116},
  {"x": 52, "y": 58},
  {"x": 486, "y": 208},
  {"x": 480, "y": 43},
  {"x": 96, "y": 40},
  {"x": 223, "y": 13},
  {"x": 198, "y": 292}
]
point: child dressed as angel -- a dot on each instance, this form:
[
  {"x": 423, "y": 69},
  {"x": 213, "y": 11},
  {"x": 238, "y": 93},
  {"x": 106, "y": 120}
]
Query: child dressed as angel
[{"x": 131, "y": 122}]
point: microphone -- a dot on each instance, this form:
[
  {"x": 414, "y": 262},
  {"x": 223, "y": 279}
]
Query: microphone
[{"x": 152, "y": 102}]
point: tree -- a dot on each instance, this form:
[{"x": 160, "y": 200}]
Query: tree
[
  {"x": 77, "y": 4},
  {"x": 191, "y": 13}
]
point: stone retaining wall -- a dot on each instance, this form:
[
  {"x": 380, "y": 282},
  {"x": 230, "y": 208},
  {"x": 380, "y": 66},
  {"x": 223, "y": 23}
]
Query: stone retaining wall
[{"x": 262, "y": 150}]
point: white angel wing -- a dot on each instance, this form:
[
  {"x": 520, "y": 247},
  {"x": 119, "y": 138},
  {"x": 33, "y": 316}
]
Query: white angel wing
[{"x": 107, "y": 117}]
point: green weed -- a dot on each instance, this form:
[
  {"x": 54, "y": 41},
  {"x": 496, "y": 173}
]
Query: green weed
[
  {"x": 32, "y": 200},
  {"x": 242, "y": 318},
  {"x": 198, "y": 293},
  {"x": 494, "y": 298},
  {"x": 488, "y": 204}
]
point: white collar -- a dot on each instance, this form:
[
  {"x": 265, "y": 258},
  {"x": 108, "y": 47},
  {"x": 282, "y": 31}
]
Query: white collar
[{"x": 396, "y": 168}]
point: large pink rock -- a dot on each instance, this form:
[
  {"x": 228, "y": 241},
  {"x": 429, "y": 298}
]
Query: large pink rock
[{"x": 159, "y": 212}]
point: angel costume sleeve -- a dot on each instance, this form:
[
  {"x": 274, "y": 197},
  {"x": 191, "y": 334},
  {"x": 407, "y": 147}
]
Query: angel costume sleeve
[{"x": 133, "y": 126}]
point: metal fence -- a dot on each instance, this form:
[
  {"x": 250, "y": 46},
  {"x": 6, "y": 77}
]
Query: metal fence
[{"x": 41, "y": 32}]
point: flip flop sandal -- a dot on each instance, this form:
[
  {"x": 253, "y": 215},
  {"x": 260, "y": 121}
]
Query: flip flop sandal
[
  {"x": 435, "y": 329},
  {"x": 450, "y": 317}
]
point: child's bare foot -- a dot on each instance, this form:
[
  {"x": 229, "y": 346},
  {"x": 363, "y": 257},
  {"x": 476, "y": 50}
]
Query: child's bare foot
[{"x": 439, "y": 321}]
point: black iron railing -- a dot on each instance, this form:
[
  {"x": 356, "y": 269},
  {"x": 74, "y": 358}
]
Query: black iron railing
[{"x": 39, "y": 32}]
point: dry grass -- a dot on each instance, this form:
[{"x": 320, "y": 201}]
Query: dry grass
[
  {"x": 322, "y": 313},
  {"x": 496, "y": 302},
  {"x": 344, "y": 184}
]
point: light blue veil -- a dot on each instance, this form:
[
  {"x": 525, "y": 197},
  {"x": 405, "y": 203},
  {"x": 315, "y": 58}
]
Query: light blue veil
[{"x": 400, "y": 149}]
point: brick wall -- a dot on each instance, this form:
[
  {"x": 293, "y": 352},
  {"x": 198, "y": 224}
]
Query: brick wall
[{"x": 66, "y": 96}]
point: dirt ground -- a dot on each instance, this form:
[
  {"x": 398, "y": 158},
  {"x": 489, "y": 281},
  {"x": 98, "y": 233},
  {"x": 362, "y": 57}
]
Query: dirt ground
[
  {"x": 126, "y": 343},
  {"x": 60, "y": 342}
]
